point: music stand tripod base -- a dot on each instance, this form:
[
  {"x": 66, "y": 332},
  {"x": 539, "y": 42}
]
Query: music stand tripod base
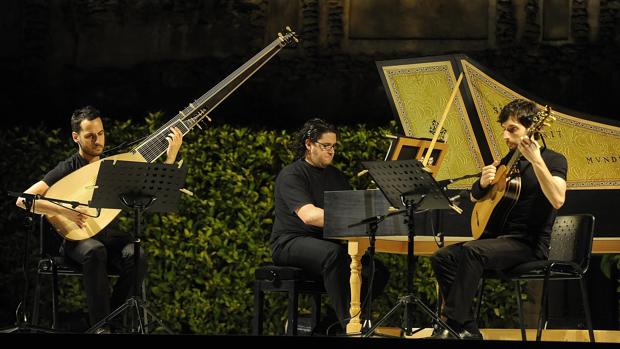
[
  {"x": 138, "y": 305},
  {"x": 405, "y": 183},
  {"x": 137, "y": 186}
]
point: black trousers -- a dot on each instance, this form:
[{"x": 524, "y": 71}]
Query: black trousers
[
  {"x": 459, "y": 268},
  {"x": 331, "y": 261},
  {"x": 98, "y": 255}
]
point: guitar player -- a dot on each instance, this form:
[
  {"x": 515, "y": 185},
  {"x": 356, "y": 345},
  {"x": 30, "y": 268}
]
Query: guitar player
[
  {"x": 110, "y": 248},
  {"x": 523, "y": 236}
]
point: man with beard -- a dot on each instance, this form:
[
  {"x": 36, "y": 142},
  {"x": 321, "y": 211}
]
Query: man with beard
[
  {"x": 110, "y": 248},
  {"x": 526, "y": 232},
  {"x": 297, "y": 234}
]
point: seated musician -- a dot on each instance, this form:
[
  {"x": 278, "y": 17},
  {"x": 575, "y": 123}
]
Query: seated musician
[
  {"x": 296, "y": 238},
  {"x": 110, "y": 248},
  {"x": 527, "y": 229}
]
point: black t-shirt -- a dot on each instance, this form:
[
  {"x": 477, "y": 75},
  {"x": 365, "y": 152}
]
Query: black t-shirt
[
  {"x": 67, "y": 166},
  {"x": 64, "y": 168},
  {"x": 532, "y": 216},
  {"x": 299, "y": 184}
]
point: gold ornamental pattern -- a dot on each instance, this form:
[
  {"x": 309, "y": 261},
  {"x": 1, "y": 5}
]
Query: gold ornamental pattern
[
  {"x": 420, "y": 92},
  {"x": 591, "y": 148}
]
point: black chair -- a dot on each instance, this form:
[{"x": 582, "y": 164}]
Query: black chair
[
  {"x": 52, "y": 264},
  {"x": 292, "y": 280},
  {"x": 569, "y": 258}
]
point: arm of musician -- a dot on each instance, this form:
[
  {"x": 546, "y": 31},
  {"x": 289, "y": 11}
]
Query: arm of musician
[
  {"x": 311, "y": 215},
  {"x": 175, "y": 139},
  {"x": 49, "y": 208},
  {"x": 553, "y": 187},
  {"x": 486, "y": 178}
]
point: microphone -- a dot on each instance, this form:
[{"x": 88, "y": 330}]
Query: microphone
[
  {"x": 122, "y": 146},
  {"x": 462, "y": 194},
  {"x": 446, "y": 182},
  {"x": 23, "y": 195},
  {"x": 27, "y": 196}
]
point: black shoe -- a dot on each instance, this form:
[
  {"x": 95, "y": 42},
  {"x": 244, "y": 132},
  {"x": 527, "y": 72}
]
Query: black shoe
[
  {"x": 464, "y": 334},
  {"x": 103, "y": 330},
  {"x": 442, "y": 333}
]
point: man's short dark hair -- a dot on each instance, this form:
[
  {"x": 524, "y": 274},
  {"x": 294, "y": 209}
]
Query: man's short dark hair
[
  {"x": 313, "y": 129},
  {"x": 520, "y": 109},
  {"x": 85, "y": 113}
]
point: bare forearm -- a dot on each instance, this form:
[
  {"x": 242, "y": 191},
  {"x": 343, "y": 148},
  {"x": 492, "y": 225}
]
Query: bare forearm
[
  {"x": 553, "y": 187},
  {"x": 43, "y": 207},
  {"x": 311, "y": 215}
]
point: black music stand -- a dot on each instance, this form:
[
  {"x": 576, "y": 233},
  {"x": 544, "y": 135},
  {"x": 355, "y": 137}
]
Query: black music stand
[
  {"x": 137, "y": 186},
  {"x": 405, "y": 183}
]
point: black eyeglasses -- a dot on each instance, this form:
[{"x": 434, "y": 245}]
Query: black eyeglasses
[{"x": 326, "y": 147}]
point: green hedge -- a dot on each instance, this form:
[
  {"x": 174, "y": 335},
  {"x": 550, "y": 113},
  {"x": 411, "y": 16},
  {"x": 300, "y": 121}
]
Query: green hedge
[{"x": 202, "y": 259}]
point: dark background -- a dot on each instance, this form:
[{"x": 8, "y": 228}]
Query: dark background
[{"x": 129, "y": 58}]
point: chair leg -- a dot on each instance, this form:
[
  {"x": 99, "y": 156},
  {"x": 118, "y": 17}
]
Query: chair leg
[
  {"x": 144, "y": 312},
  {"x": 439, "y": 300},
  {"x": 316, "y": 309},
  {"x": 480, "y": 295},
  {"x": 542, "y": 316},
  {"x": 259, "y": 298},
  {"x": 520, "y": 309},
  {"x": 293, "y": 305},
  {"x": 37, "y": 299},
  {"x": 54, "y": 296},
  {"x": 586, "y": 308}
]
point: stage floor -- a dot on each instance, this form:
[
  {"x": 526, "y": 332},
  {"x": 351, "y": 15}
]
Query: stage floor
[{"x": 514, "y": 334}]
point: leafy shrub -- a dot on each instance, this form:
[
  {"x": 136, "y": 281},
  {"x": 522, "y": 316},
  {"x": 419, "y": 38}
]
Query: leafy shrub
[{"x": 202, "y": 259}]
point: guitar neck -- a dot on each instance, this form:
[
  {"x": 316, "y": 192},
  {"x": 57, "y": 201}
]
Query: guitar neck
[
  {"x": 513, "y": 160},
  {"x": 156, "y": 144},
  {"x": 517, "y": 154}
]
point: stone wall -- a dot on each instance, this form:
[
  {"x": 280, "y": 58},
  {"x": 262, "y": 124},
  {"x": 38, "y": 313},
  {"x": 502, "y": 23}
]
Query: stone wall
[{"x": 131, "y": 57}]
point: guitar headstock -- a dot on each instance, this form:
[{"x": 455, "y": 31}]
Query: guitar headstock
[
  {"x": 287, "y": 38},
  {"x": 539, "y": 120}
]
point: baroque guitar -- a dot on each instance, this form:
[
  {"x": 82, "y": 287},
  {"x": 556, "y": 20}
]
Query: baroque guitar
[
  {"x": 491, "y": 211},
  {"x": 79, "y": 185}
]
